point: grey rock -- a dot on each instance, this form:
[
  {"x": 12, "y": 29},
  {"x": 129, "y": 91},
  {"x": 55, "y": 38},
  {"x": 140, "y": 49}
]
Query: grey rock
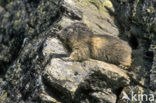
[
  {"x": 98, "y": 20},
  {"x": 68, "y": 76},
  {"x": 136, "y": 93},
  {"x": 1, "y": 9},
  {"x": 153, "y": 73},
  {"x": 138, "y": 27},
  {"x": 105, "y": 96},
  {"x": 33, "y": 63}
]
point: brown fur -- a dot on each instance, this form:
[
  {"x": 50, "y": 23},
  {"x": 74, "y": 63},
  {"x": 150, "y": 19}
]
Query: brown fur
[{"x": 83, "y": 44}]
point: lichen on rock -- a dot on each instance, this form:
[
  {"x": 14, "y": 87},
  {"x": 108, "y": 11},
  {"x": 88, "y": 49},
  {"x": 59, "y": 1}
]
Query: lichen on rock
[{"x": 33, "y": 65}]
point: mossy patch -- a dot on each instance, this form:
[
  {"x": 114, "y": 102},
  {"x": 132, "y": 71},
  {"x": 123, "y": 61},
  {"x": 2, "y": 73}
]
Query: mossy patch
[{"x": 98, "y": 4}]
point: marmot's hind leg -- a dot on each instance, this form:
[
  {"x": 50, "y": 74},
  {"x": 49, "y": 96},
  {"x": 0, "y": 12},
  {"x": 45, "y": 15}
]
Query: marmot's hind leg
[
  {"x": 126, "y": 62},
  {"x": 123, "y": 67}
]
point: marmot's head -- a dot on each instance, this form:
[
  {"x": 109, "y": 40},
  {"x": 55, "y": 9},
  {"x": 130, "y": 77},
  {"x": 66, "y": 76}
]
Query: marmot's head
[{"x": 74, "y": 32}]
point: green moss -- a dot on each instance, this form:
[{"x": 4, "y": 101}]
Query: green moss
[
  {"x": 3, "y": 97},
  {"x": 98, "y": 4}
]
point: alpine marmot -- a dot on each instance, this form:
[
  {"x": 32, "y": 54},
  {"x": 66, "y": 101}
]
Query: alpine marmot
[{"x": 83, "y": 44}]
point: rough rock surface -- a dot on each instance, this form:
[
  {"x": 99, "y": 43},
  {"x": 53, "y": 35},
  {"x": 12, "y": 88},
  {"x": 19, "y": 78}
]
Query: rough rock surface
[
  {"x": 73, "y": 77},
  {"x": 33, "y": 68},
  {"x": 94, "y": 13},
  {"x": 135, "y": 94},
  {"x": 138, "y": 26}
]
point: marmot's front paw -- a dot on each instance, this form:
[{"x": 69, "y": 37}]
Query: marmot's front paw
[
  {"x": 68, "y": 59},
  {"x": 123, "y": 67}
]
